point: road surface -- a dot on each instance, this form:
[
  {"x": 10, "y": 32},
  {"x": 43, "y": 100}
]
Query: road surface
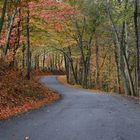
[{"x": 79, "y": 115}]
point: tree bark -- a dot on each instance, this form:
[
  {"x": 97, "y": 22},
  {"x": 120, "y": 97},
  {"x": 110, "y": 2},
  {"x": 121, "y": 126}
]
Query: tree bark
[
  {"x": 28, "y": 44},
  {"x": 43, "y": 62},
  {"x": 137, "y": 30},
  {"x": 10, "y": 31},
  {"x": 97, "y": 64},
  {"x": 3, "y": 15}
]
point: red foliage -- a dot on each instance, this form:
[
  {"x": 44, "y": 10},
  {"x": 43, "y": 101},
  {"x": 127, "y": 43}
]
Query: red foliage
[
  {"x": 17, "y": 95},
  {"x": 55, "y": 13}
]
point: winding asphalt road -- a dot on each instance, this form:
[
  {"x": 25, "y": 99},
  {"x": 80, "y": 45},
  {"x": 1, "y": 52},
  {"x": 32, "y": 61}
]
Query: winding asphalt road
[{"x": 79, "y": 115}]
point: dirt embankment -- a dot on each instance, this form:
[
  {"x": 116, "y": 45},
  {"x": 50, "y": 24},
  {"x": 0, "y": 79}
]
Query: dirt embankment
[{"x": 18, "y": 95}]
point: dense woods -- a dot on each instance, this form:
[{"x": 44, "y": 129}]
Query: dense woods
[
  {"x": 96, "y": 43},
  {"x": 107, "y": 39}
]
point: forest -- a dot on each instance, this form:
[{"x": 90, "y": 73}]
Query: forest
[
  {"x": 69, "y": 69},
  {"x": 94, "y": 43}
]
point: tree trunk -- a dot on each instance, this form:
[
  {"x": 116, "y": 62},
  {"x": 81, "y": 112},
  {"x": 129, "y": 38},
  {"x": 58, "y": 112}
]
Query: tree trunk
[
  {"x": 66, "y": 68},
  {"x": 97, "y": 64},
  {"x": 117, "y": 69},
  {"x": 43, "y": 62},
  {"x": 3, "y": 15},
  {"x": 28, "y": 44},
  {"x": 137, "y": 28},
  {"x": 10, "y": 31}
]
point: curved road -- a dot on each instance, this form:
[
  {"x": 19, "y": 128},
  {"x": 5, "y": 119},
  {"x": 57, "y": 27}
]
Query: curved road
[{"x": 79, "y": 115}]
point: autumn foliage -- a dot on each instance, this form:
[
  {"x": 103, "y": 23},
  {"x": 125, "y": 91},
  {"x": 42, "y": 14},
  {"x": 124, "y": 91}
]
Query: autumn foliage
[{"x": 18, "y": 95}]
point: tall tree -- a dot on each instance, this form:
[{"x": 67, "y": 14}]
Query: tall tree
[
  {"x": 28, "y": 43},
  {"x": 137, "y": 28},
  {"x": 3, "y": 14}
]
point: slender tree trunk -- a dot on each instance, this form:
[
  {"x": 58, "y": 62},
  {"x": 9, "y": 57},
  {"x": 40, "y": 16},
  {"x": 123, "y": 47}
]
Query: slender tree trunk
[
  {"x": 137, "y": 28},
  {"x": 35, "y": 62},
  {"x": 10, "y": 31},
  {"x": 17, "y": 45},
  {"x": 117, "y": 69},
  {"x": 38, "y": 63},
  {"x": 66, "y": 68},
  {"x": 3, "y": 15},
  {"x": 23, "y": 59},
  {"x": 44, "y": 60},
  {"x": 28, "y": 44},
  {"x": 72, "y": 65},
  {"x": 97, "y": 64}
]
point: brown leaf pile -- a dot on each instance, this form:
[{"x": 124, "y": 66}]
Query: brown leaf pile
[{"x": 18, "y": 95}]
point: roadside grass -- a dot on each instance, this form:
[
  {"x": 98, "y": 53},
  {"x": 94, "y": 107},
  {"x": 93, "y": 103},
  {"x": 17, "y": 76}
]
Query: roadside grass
[{"x": 62, "y": 79}]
